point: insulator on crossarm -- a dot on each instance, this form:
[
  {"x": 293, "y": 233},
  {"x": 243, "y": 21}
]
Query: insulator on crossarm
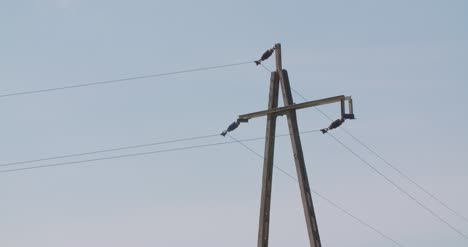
[
  {"x": 231, "y": 127},
  {"x": 335, "y": 124}
]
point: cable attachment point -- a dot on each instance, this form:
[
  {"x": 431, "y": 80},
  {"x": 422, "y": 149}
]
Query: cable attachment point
[
  {"x": 265, "y": 56},
  {"x": 335, "y": 124},
  {"x": 233, "y": 126}
]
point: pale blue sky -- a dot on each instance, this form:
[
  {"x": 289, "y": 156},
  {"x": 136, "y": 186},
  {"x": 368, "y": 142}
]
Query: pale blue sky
[{"x": 404, "y": 62}]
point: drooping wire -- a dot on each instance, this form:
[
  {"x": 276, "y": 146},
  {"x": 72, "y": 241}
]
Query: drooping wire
[
  {"x": 128, "y": 155},
  {"x": 107, "y": 150},
  {"x": 113, "y": 157},
  {"x": 265, "y": 67},
  {"x": 322, "y": 196},
  {"x": 407, "y": 177},
  {"x": 404, "y": 175},
  {"x": 261, "y": 156},
  {"x": 122, "y": 79},
  {"x": 400, "y": 188}
]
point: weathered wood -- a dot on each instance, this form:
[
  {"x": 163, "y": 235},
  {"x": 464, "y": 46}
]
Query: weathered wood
[
  {"x": 283, "y": 110},
  {"x": 280, "y": 76},
  {"x": 263, "y": 231},
  {"x": 279, "y": 63},
  {"x": 312, "y": 229}
]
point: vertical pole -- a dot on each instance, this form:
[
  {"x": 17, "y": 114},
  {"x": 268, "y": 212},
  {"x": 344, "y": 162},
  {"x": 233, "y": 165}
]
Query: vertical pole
[
  {"x": 312, "y": 229},
  {"x": 263, "y": 231}
]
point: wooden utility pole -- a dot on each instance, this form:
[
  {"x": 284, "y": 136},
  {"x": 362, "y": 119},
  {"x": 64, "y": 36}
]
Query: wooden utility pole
[
  {"x": 289, "y": 109},
  {"x": 268, "y": 163}
]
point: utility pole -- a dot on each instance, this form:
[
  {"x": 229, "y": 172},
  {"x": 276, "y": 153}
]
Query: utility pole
[{"x": 280, "y": 76}]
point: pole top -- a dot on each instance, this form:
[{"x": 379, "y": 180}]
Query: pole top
[{"x": 279, "y": 66}]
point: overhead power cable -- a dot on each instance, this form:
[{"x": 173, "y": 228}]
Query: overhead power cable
[
  {"x": 126, "y": 155},
  {"x": 322, "y": 196},
  {"x": 401, "y": 189},
  {"x": 408, "y": 178},
  {"x": 114, "y": 157},
  {"x": 87, "y": 84},
  {"x": 404, "y": 175},
  {"x": 107, "y": 150}
]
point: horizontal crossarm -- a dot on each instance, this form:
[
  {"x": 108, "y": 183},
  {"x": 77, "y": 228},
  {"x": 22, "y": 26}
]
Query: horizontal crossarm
[{"x": 284, "y": 109}]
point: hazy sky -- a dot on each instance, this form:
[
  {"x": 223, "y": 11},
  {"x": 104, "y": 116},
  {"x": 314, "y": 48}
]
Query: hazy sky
[{"x": 404, "y": 62}]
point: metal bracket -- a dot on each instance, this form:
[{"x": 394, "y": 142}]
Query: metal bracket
[{"x": 345, "y": 115}]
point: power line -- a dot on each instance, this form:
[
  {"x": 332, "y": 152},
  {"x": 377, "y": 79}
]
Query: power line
[
  {"x": 113, "y": 157},
  {"x": 121, "y": 80},
  {"x": 127, "y": 155},
  {"x": 261, "y": 156},
  {"x": 266, "y": 68},
  {"x": 323, "y": 197},
  {"x": 107, "y": 150},
  {"x": 401, "y": 189},
  {"x": 407, "y": 177}
]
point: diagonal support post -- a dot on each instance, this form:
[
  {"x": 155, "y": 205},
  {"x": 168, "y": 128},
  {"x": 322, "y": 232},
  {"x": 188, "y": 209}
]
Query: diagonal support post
[
  {"x": 311, "y": 221},
  {"x": 264, "y": 224}
]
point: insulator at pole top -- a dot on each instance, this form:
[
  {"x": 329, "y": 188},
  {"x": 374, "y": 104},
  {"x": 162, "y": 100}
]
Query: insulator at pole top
[
  {"x": 265, "y": 56},
  {"x": 232, "y": 127},
  {"x": 335, "y": 124}
]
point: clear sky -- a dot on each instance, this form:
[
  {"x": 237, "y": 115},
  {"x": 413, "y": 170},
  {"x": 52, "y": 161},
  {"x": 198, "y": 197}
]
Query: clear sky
[{"x": 404, "y": 62}]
